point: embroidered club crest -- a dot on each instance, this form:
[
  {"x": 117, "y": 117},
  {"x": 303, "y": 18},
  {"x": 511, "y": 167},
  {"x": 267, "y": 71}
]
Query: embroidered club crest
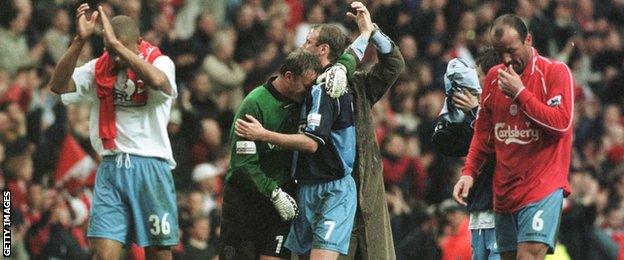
[{"x": 513, "y": 109}]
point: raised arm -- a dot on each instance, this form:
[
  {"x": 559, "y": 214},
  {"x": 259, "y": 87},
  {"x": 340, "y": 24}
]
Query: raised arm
[
  {"x": 152, "y": 76},
  {"x": 390, "y": 64},
  {"x": 61, "y": 81}
]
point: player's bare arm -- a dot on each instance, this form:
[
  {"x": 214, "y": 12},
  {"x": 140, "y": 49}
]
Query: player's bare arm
[
  {"x": 253, "y": 130},
  {"x": 61, "y": 81},
  {"x": 362, "y": 18},
  {"x": 151, "y": 75}
]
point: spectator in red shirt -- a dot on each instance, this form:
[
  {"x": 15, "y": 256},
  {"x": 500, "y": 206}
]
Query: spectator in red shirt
[
  {"x": 209, "y": 145},
  {"x": 455, "y": 242},
  {"x": 400, "y": 170},
  {"x": 20, "y": 170}
]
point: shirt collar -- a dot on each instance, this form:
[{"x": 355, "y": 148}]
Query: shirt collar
[
  {"x": 271, "y": 88},
  {"x": 327, "y": 67},
  {"x": 533, "y": 62}
]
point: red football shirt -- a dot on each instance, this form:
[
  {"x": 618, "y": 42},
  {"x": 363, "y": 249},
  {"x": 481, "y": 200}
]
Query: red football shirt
[{"x": 530, "y": 134}]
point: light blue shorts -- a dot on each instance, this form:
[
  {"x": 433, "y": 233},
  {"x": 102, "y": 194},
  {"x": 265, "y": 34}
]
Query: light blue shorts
[
  {"x": 134, "y": 201},
  {"x": 484, "y": 244},
  {"x": 536, "y": 222},
  {"x": 326, "y": 215}
]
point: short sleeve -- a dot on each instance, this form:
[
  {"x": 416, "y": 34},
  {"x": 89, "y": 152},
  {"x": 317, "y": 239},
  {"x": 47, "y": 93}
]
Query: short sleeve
[
  {"x": 84, "y": 78},
  {"x": 166, "y": 65},
  {"x": 321, "y": 114}
]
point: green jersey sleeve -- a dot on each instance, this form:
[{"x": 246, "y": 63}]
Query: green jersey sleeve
[
  {"x": 348, "y": 60},
  {"x": 245, "y": 159}
]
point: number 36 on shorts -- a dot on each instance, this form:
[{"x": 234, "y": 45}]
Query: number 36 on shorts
[{"x": 160, "y": 225}]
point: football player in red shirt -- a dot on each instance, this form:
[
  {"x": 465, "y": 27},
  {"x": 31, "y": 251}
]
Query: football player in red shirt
[{"x": 526, "y": 121}]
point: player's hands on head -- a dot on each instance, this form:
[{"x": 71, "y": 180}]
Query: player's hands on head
[
  {"x": 362, "y": 17},
  {"x": 461, "y": 189},
  {"x": 107, "y": 30},
  {"x": 86, "y": 21},
  {"x": 284, "y": 204},
  {"x": 509, "y": 82},
  {"x": 249, "y": 129},
  {"x": 465, "y": 101},
  {"x": 335, "y": 80}
]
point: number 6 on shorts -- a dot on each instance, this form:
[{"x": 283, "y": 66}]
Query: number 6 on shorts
[{"x": 538, "y": 223}]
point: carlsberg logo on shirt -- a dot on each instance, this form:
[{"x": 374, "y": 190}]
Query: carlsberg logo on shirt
[{"x": 506, "y": 134}]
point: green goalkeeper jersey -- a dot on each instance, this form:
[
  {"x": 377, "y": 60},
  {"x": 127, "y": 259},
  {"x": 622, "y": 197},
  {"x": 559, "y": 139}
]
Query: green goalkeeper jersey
[{"x": 260, "y": 166}]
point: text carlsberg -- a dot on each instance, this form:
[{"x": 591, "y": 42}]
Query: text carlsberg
[{"x": 506, "y": 134}]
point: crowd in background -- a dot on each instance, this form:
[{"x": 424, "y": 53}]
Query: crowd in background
[{"x": 224, "y": 48}]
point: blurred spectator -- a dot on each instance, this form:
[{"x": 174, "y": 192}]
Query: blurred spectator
[
  {"x": 57, "y": 238},
  {"x": 198, "y": 99},
  {"x": 208, "y": 148},
  {"x": 582, "y": 237},
  {"x": 455, "y": 240},
  {"x": 192, "y": 208},
  {"x": 315, "y": 15},
  {"x": 205, "y": 177},
  {"x": 188, "y": 53},
  {"x": 400, "y": 170},
  {"x": 14, "y": 49},
  {"x": 250, "y": 34},
  {"x": 19, "y": 168},
  {"x": 23, "y": 88},
  {"x": 226, "y": 75},
  {"x": 198, "y": 247},
  {"x": 57, "y": 38},
  {"x": 409, "y": 50}
]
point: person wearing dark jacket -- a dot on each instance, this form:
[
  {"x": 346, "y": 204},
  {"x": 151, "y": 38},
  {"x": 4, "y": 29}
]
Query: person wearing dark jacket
[{"x": 452, "y": 136}]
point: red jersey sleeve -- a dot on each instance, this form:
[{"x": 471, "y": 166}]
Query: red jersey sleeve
[
  {"x": 482, "y": 143},
  {"x": 554, "y": 115}
]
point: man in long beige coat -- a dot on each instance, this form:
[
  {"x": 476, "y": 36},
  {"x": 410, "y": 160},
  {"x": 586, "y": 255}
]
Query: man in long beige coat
[{"x": 372, "y": 236}]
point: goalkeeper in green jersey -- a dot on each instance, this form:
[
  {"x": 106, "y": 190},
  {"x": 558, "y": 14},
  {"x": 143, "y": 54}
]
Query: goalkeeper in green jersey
[{"x": 258, "y": 203}]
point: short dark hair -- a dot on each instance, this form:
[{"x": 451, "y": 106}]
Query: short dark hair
[
  {"x": 333, "y": 36},
  {"x": 512, "y": 21},
  {"x": 125, "y": 28},
  {"x": 488, "y": 58},
  {"x": 299, "y": 62}
]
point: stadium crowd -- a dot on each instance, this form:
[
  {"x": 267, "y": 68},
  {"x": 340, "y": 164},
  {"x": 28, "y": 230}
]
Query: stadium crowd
[{"x": 224, "y": 48}]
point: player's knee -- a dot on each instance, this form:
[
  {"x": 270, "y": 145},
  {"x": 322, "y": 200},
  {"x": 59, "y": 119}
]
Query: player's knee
[
  {"x": 102, "y": 249},
  {"x": 102, "y": 253},
  {"x": 531, "y": 250}
]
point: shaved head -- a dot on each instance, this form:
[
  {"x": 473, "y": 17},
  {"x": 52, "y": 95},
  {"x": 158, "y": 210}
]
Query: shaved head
[
  {"x": 127, "y": 32},
  {"x": 125, "y": 29}
]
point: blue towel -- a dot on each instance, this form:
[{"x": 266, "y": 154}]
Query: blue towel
[{"x": 459, "y": 76}]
